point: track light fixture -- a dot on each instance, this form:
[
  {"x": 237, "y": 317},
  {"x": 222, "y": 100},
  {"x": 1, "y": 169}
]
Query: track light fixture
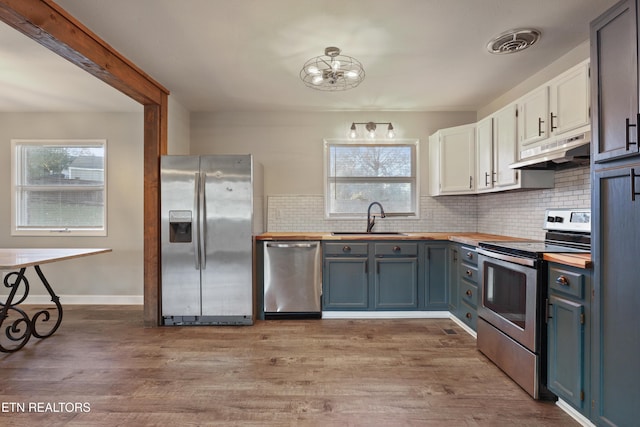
[{"x": 370, "y": 127}]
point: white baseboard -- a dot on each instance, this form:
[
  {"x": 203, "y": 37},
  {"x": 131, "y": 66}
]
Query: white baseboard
[
  {"x": 584, "y": 421},
  {"x": 385, "y": 314},
  {"x": 463, "y": 326},
  {"x": 84, "y": 299}
]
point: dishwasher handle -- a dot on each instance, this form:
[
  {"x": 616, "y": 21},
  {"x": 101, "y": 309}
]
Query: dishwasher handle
[{"x": 292, "y": 245}]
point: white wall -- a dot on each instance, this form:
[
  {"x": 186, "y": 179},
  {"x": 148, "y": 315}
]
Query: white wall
[
  {"x": 178, "y": 128},
  {"x": 113, "y": 277},
  {"x": 290, "y": 145}
]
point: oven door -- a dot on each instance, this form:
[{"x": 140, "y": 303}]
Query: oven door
[{"x": 509, "y": 296}]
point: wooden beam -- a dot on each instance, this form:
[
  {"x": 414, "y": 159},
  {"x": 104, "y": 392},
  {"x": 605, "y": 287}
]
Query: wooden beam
[
  {"x": 48, "y": 24},
  {"x": 51, "y": 26},
  {"x": 153, "y": 115}
]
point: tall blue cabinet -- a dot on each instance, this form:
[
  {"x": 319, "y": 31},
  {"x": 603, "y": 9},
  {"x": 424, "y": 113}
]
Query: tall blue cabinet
[{"x": 615, "y": 166}]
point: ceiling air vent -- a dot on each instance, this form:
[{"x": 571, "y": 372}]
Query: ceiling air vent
[{"x": 513, "y": 41}]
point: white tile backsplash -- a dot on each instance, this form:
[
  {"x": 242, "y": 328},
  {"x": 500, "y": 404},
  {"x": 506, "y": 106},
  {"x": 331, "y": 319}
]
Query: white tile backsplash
[
  {"x": 521, "y": 213},
  {"x": 516, "y": 213}
]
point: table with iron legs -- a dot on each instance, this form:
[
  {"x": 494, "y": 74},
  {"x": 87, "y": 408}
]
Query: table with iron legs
[{"x": 16, "y": 325}]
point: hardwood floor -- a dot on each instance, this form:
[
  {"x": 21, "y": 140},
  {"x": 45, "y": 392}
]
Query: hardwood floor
[{"x": 417, "y": 372}]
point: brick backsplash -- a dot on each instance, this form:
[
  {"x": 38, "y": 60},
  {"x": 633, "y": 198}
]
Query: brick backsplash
[{"x": 517, "y": 213}]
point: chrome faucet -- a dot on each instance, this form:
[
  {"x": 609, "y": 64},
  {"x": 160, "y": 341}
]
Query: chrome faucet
[{"x": 371, "y": 220}]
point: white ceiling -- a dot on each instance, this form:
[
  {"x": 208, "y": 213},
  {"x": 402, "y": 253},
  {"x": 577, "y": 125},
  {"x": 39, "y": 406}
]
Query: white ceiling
[{"x": 246, "y": 55}]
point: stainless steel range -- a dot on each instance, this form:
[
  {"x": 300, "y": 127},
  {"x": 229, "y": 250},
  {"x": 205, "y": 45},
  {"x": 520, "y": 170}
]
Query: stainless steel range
[{"x": 511, "y": 326}]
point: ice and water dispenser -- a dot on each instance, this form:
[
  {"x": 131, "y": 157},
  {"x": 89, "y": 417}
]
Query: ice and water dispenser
[{"x": 180, "y": 228}]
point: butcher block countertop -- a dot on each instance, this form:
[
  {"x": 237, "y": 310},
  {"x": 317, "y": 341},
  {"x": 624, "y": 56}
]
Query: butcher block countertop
[
  {"x": 471, "y": 239},
  {"x": 574, "y": 260}
]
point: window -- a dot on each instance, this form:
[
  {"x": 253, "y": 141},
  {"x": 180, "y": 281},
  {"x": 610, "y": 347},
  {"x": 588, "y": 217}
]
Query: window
[
  {"x": 358, "y": 173},
  {"x": 58, "y": 187}
]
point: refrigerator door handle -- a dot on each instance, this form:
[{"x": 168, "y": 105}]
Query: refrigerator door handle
[
  {"x": 203, "y": 221},
  {"x": 196, "y": 241}
]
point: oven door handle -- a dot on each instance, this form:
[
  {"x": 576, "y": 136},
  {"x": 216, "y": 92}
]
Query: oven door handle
[{"x": 529, "y": 262}]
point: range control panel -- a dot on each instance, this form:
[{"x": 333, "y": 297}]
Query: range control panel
[{"x": 578, "y": 220}]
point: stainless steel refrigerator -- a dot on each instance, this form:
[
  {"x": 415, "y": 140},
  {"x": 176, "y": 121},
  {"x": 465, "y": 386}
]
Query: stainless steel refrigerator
[{"x": 211, "y": 207}]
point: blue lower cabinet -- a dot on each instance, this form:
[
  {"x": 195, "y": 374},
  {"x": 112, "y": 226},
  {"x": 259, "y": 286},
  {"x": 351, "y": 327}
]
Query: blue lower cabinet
[
  {"x": 345, "y": 283},
  {"x": 468, "y": 315},
  {"x": 565, "y": 351},
  {"x": 436, "y": 266},
  {"x": 568, "y": 335},
  {"x": 385, "y": 275},
  {"x": 463, "y": 284},
  {"x": 396, "y": 283}
]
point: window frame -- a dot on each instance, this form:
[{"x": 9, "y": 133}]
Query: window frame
[
  {"x": 16, "y": 186},
  {"x": 415, "y": 179}
]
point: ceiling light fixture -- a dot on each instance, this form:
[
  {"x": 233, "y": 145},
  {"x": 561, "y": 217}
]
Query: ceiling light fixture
[
  {"x": 332, "y": 71},
  {"x": 371, "y": 129}
]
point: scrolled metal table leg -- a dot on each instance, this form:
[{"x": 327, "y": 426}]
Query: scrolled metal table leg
[
  {"x": 17, "y": 330},
  {"x": 43, "y": 317}
]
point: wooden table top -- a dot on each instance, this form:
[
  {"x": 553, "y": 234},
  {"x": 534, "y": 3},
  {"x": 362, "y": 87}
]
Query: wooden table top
[{"x": 14, "y": 258}]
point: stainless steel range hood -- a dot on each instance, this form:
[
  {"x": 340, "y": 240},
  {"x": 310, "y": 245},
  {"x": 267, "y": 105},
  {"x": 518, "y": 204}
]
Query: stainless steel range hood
[{"x": 558, "y": 154}]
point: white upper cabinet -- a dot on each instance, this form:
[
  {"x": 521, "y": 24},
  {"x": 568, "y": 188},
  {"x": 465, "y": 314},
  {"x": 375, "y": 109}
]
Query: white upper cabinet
[
  {"x": 484, "y": 155},
  {"x": 452, "y": 158},
  {"x": 534, "y": 110},
  {"x": 497, "y": 142},
  {"x": 475, "y": 158},
  {"x": 569, "y": 100},
  {"x": 557, "y": 107},
  {"x": 505, "y": 143}
]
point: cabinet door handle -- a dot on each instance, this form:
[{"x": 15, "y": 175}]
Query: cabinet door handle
[
  {"x": 627, "y": 141},
  {"x": 469, "y": 255},
  {"x": 633, "y": 185},
  {"x": 552, "y": 116},
  {"x": 495, "y": 178},
  {"x": 540, "y": 122},
  {"x": 562, "y": 280},
  {"x": 547, "y": 311},
  {"x": 468, "y": 315},
  {"x": 470, "y": 181},
  {"x": 396, "y": 249},
  {"x": 455, "y": 256},
  {"x": 469, "y": 273},
  {"x": 346, "y": 248},
  {"x": 469, "y": 293},
  {"x": 486, "y": 179}
]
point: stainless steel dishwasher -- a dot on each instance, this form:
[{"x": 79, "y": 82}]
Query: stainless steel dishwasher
[{"x": 292, "y": 279}]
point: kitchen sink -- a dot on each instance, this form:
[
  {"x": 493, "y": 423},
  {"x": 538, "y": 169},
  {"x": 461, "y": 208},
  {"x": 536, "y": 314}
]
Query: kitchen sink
[{"x": 364, "y": 233}]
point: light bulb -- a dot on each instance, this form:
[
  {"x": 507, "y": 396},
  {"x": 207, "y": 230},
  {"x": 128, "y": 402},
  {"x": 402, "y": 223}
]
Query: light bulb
[
  {"x": 335, "y": 65},
  {"x": 316, "y": 80},
  {"x": 372, "y": 133},
  {"x": 352, "y": 132},
  {"x": 390, "y": 132},
  {"x": 352, "y": 74},
  {"x": 312, "y": 69}
]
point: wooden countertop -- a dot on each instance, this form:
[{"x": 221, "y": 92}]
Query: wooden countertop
[
  {"x": 14, "y": 258},
  {"x": 471, "y": 239},
  {"x": 575, "y": 260},
  {"x": 465, "y": 238}
]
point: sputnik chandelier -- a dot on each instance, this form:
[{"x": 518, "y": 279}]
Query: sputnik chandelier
[{"x": 332, "y": 71}]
